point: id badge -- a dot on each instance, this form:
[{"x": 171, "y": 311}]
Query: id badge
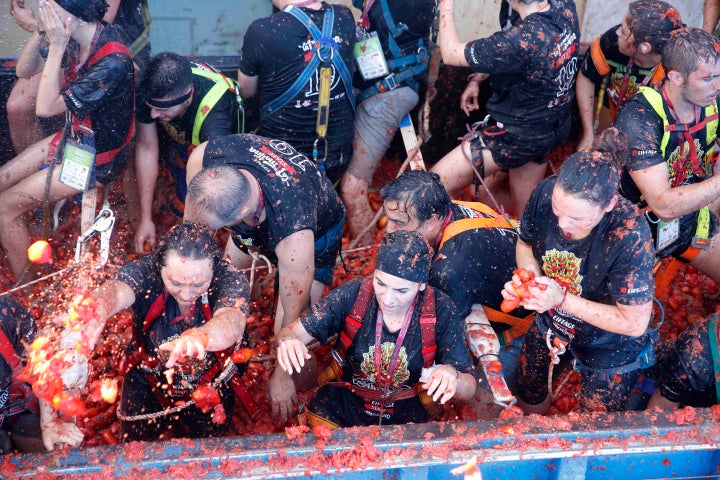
[
  {"x": 667, "y": 233},
  {"x": 370, "y": 58},
  {"x": 77, "y": 165}
]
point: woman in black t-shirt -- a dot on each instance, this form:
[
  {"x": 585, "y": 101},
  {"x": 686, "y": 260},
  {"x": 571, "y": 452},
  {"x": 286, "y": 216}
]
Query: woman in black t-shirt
[{"x": 592, "y": 255}]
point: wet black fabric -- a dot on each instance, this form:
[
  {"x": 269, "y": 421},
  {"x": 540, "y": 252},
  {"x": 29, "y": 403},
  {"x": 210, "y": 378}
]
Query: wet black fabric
[
  {"x": 611, "y": 265},
  {"x": 221, "y": 120},
  {"x": 532, "y": 69},
  {"x": 136, "y": 398},
  {"x": 19, "y": 327},
  {"x": 129, "y": 23},
  {"x": 416, "y": 15},
  {"x": 104, "y": 92},
  {"x": 473, "y": 265},
  {"x": 228, "y": 288},
  {"x": 297, "y": 196},
  {"x": 328, "y": 317},
  {"x": 276, "y": 49},
  {"x": 620, "y": 66},
  {"x": 685, "y": 366},
  {"x": 609, "y": 393},
  {"x": 644, "y": 130}
]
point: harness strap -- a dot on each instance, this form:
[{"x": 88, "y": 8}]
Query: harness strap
[
  {"x": 144, "y": 38},
  {"x": 323, "y": 44},
  {"x": 106, "y": 157},
  {"x": 713, "y": 334},
  {"x": 403, "y": 67},
  {"x": 377, "y": 395},
  {"x": 427, "y": 328},
  {"x": 645, "y": 359},
  {"x": 212, "y": 97},
  {"x": 700, "y": 241},
  {"x": 518, "y": 326},
  {"x": 598, "y": 58},
  {"x": 491, "y": 220}
]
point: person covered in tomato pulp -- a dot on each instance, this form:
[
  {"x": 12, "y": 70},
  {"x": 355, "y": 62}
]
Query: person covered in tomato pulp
[
  {"x": 400, "y": 346},
  {"x": 531, "y": 68},
  {"x": 278, "y": 204},
  {"x": 88, "y": 74},
  {"x": 281, "y": 60},
  {"x": 625, "y": 57},
  {"x": 689, "y": 367},
  {"x": 26, "y": 423},
  {"x": 190, "y": 308},
  {"x": 670, "y": 170},
  {"x": 592, "y": 256}
]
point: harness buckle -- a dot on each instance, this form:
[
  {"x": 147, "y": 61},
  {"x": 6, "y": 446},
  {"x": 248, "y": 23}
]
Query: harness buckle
[
  {"x": 389, "y": 82},
  {"x": 336, "y": 356}
]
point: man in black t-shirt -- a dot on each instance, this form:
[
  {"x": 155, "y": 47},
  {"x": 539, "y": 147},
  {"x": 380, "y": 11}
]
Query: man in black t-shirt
[
  {"x": 671, "y": 166},
  {"x": 173, "y": 92},
  {"x": 277, "y": 203},
  {"x": 531, "y": 68},
  {"x": 276, "y": 51}
]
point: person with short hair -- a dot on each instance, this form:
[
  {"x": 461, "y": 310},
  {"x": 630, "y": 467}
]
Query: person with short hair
[
  {"x": 670, "y": 168},
  {"x": 278, "y": 204},
  {"x": 96, "y": 91},
  {"x": 192, "y": 102},
  {"x": 628, "y": 56},
  {"x": 592, "y": 256},
  {"x": 532, "y": 68},
  {"x": 387, "y": 325},
  {"x": 277, "y": 52}
]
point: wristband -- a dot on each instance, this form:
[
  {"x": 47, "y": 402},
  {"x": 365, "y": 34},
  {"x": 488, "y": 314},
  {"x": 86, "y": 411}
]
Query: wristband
[{"x": 198, "y": 334}]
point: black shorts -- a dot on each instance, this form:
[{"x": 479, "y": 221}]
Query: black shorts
[
  {"x": 686, "y": 368},
  {"x": 512, "y": 151},
  {"x": 347, "y": 409},
  {"x": 610, "y": 394},
  {"x": 138, "y": 398}
]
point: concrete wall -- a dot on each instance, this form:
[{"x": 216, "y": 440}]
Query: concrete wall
[{"x": 216, "y": 27}]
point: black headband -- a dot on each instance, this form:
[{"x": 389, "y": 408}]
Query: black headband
[
  {"x": 162, "y": 104},
  {"x": 89, "y": 10},
  {"x": 405, "y": 255}
]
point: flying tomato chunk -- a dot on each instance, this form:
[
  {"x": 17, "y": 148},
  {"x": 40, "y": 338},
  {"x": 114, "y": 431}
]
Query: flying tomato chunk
[{"x": 40, "y": 252}]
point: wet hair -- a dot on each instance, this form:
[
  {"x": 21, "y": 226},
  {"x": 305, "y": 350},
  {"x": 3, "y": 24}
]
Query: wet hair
[
  {"x": 90, "y": 11},
  {"x": 594, "y": 175},
  {"x": 167, "y": 75},
  {"x": 406, "y": 255},
  {"x": 688, "y": 47},
  {"x": 191, "y": 241},
  {"x": 422, "y": 194},
  {"x": 218, "y": 192},
  {"x": 653, "y": 21}
]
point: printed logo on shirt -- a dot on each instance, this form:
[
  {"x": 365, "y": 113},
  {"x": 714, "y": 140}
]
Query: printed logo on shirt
[
  {"x": 564, "y": 268},
  {"x": 679, "y": 163},
  {"x": 644, "y": 152},
  {"x": 177, "y": 135},
  {"x": 379, "y": 379}
]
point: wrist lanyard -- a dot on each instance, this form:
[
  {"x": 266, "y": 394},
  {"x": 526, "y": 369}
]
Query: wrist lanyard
[{"x": 386, "y": 380}]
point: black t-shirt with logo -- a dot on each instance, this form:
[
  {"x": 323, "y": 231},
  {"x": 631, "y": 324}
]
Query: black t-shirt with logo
[
  {"x": 276, "y": 49},
  {"x": 296, "y": 195},
  {"x": 532, "y": 69},
  {"x": 613, "y": 264}
]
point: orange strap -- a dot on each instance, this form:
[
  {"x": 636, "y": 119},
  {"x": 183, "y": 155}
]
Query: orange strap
[
  {"x": 518, "y": 326},
  {"x": 494, "y": 220},
  {"x": 598, "y": 57}
]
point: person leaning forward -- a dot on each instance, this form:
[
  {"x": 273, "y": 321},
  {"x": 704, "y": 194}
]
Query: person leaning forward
[
  {"x": 400, "y": 343},
  {"x": 276, "y": 203},
  {"x": 670, "y": 167}
]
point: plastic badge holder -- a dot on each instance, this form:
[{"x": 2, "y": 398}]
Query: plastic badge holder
[
  {"x": 77, "y": 165},
  {"x": 370, "y": 58}
]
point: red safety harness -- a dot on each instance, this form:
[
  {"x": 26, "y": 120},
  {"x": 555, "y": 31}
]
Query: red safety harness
[
  {"x": 141, "y": 358},
  {"x": 101, "y": 158},
  {"x": 354, "y": 321},
  {"x": 20, "y": 396}
]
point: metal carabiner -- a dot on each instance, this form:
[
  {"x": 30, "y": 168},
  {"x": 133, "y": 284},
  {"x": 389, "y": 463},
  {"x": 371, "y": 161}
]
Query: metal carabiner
[{"x": 103, "y": 225}]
